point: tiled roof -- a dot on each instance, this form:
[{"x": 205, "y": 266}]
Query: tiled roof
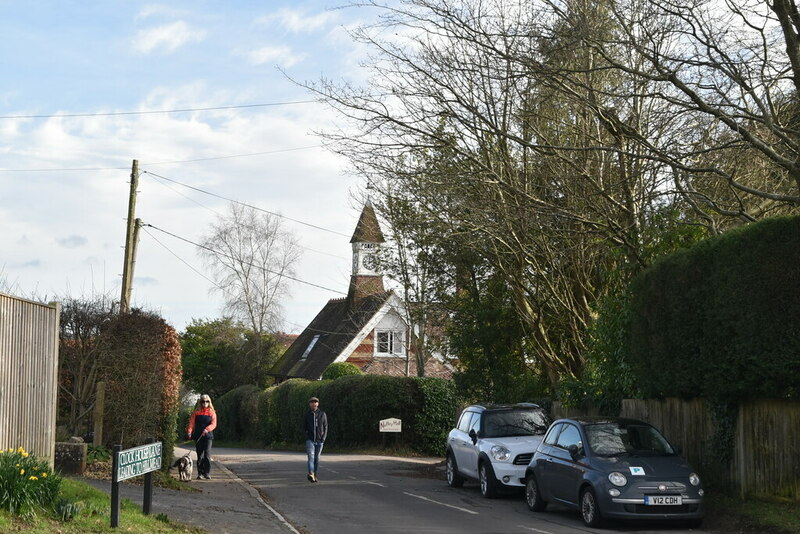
[
  {"x": 337, "y": 324},
  {"x": 368, "y": 230}
]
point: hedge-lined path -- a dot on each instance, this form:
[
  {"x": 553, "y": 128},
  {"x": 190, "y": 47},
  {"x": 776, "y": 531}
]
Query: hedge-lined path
[{"x": 378, "y": 494}]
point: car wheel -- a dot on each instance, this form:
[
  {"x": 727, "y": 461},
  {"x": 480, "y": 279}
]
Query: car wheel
[
  {"x": 590, "y": 511},
  {"x": 533, "y": 496},
  {"x": 454, "y": 480},
  {"x": 487, "y": 480}
]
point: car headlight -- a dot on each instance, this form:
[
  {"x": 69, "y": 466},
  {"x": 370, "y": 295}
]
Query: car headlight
[
  {"x": 617, "y": 478},
  {"x": 694, "y": 479},
  {"x": 500, "y": 453}
]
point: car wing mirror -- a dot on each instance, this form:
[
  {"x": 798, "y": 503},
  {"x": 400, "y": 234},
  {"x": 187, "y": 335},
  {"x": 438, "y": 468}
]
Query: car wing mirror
[
  {"x": 574, "y": 452},
  {"x": 473, "y": 436}
]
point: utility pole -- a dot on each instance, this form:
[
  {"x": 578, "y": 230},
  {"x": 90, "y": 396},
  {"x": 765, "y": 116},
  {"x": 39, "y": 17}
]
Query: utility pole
[{"x": 131, "y": 238}]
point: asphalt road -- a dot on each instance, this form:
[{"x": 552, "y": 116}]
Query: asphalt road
[{"x": 377, "y": 494}]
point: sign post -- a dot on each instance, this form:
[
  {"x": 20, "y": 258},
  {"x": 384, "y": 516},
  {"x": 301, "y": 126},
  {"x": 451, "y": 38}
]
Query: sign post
[
  {"x": 131, "y": 463},
  {"x": 391, "y": 425}
]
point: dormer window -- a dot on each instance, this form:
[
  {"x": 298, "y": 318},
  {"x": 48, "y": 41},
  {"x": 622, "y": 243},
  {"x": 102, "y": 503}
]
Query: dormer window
[{"x": 389, "y": 343}]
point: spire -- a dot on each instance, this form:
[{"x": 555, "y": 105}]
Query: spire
[{"x": 368, "y": 230}]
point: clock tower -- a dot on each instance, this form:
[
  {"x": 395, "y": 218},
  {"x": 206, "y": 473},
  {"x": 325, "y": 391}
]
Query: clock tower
[{"x": 367, "y": 276}]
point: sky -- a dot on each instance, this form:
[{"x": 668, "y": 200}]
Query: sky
[{"x": 76, "y": 79}]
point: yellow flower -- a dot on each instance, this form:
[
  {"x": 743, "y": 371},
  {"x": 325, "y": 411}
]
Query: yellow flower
[
  {"x": 17, "y": 465},
  {"x": 21, "y": 471},
  {"x": 24, "y": 454},
  {"x": 21, "y": 450},
  {"x": 33, "y": 478},
  {"x": 44, "y": 475}
]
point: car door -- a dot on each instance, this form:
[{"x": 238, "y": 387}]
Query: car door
[
  {"x": 544, "y": 460},
  {"x": 565, "y": 474},
  {"x": 470, "y": 453},
  {"x": 459, "y": 439}
]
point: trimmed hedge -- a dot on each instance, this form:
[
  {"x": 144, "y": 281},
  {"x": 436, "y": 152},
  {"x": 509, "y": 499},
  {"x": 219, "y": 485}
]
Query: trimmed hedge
[
  {"x": 340, "y": 369},
  {"x": 355, "y": 404},
  {"x": 237, "y": 414},
  {"x": 720, "y": 320}
]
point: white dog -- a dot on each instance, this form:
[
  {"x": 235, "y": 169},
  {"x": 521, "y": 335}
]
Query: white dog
[{"x": 184, "y": 465}]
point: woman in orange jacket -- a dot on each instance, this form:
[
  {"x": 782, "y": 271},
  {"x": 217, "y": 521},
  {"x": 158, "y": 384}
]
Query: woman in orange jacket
[{"x": 201, "y": 427}]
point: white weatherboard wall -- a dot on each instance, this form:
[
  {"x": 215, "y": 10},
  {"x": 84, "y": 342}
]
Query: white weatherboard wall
[{"x": 28, "y": 375}]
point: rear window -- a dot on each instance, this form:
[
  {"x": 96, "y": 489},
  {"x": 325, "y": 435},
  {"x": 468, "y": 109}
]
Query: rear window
[{"x": 508, "y": 423}]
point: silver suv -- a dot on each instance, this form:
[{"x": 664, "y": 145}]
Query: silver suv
[{"x": 494, "y": 444}]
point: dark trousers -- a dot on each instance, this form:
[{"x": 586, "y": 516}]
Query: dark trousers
[{"x": 203, "y": 449}]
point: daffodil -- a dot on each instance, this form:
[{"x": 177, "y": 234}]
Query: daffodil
[
  {"x": 21, "y": 471},
  {"x": 33, "y": 478},
  {"x": 44, "y": 475},
  {"x": 24, "y": 454}
]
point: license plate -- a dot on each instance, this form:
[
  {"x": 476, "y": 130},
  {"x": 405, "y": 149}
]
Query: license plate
[{"x": 662, "y": 500}]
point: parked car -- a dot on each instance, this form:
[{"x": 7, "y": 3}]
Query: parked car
[
  {"x": 494, "y": 444},
  {"x": 613, "y": 468}
]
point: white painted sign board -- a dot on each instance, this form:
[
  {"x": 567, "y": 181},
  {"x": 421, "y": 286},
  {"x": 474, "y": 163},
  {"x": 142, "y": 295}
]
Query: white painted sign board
[{"x": 391, "y": 425}]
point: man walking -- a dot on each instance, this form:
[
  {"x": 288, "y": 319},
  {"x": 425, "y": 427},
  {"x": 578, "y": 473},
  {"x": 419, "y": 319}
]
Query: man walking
[{"x": 316, "y": 427}]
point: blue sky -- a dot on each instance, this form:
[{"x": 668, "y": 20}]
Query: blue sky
[{"x": 64, "y": 180}]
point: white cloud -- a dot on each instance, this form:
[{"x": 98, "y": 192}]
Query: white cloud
[
  {"x": 72, "y": 241},
  {"x": 298, "y": 21},
  {"x": 168, "y": 37},
  {"x": 278, "y": 55}
]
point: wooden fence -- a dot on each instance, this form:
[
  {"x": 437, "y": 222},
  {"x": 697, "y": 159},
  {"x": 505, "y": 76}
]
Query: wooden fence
[
  {"x": 766, "y": 451},
  {"x": 28, "y": 375}
]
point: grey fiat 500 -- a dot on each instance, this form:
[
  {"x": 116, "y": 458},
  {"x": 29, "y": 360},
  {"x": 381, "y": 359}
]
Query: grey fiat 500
[{"x": 613, "y": 468}]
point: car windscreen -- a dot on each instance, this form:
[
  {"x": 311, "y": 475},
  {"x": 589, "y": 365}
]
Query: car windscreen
[
  {"x": 616, "y": 439},
  {"x": 508, "y": 423}
]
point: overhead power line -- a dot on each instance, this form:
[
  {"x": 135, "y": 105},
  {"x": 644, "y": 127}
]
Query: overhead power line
[
  {"x": 156, "y": 111},
  {"x": 230, "y": 257},
  {"x": 245, "y": 204},
  {"x": 211, "y": 158}
]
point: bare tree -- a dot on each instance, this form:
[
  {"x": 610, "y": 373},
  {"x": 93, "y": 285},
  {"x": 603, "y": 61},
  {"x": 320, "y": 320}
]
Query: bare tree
[{"x": 251, "y": 255}]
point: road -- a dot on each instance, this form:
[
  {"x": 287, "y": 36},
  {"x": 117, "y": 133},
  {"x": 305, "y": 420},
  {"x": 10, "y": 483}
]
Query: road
[{"x": 378, "y": 494}]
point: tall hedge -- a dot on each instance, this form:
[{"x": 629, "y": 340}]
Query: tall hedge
[
  {"x": 355, "y": 404},
  {"x": 142, "y": 378},
  {"x": 722, "y": 319}
]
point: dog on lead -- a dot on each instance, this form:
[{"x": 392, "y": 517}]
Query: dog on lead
[{"x": 184, "y": 465}]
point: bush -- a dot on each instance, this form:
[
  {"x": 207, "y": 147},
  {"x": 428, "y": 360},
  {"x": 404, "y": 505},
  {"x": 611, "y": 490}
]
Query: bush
[
  {"x": 355, "y": 405},
  {"x": 719, "y": 320},
  {"x": 25, "y": 482},
  {"x": 237, "y": 414},
  {"x": 340, "y": 369}
]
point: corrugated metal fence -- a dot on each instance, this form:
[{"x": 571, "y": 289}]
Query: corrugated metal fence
[
  {"x": 28, "y": 375},
  {"x": 766, "y": 452}
]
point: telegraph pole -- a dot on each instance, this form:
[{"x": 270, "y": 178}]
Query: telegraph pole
[{"x": 131, "y": 238}]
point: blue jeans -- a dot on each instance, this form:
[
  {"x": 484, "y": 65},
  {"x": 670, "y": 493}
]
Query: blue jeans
[{"x": 313, "y": 450}]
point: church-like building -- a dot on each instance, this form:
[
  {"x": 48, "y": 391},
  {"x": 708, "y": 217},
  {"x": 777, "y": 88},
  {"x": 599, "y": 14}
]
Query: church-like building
[{"x": 367, "y": 328}]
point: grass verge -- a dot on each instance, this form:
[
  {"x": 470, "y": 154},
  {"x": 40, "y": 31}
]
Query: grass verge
[
  {"x": 90, "y": 511},
  {"x": 751, "y": 516}
]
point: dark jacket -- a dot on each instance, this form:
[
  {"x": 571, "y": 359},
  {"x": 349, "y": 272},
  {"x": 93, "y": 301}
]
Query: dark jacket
[
  {"x": 316, "y": 425},
  {"x": 201, "y": 420}
]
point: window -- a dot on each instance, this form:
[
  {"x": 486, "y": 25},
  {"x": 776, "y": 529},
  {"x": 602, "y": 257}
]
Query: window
[
  {"x": 389, "y": 343},
  {"x": 310, "y": 346},
  {"x": 569, "y": 436},
  {"x": 464, "y": 423},
  {"x": 550, "y": 439}
]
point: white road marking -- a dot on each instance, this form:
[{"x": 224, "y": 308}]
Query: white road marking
[
  {"x": 534, "y": 529},
  {"x": 375, "y": 483},
  {"x": 441, "y": 503},
  {"x": 252, "y": 491}
]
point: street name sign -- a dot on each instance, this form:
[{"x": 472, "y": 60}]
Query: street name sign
[
  {"x": 391, "y": 425},
  {"x": 138, "y": 461}
]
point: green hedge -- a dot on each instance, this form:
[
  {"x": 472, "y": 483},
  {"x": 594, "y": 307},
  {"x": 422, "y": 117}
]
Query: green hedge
[
  {"x": 238, "y": 415},
  {"x": 720, "y": 320},
  {"x": 355, "y": 404}
]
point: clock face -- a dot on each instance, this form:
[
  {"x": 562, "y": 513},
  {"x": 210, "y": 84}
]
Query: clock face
[{"x": 370, "y": 261}]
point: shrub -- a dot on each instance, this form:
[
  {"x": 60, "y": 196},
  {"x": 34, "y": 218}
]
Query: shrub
[
  {"x": 237, "y": 414},
  {"x": 25, "y": 482},
  {"x": 355, "y": 405},
  {"x": 340, "y": 369},
  {"x": 718, "y": 320}
]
